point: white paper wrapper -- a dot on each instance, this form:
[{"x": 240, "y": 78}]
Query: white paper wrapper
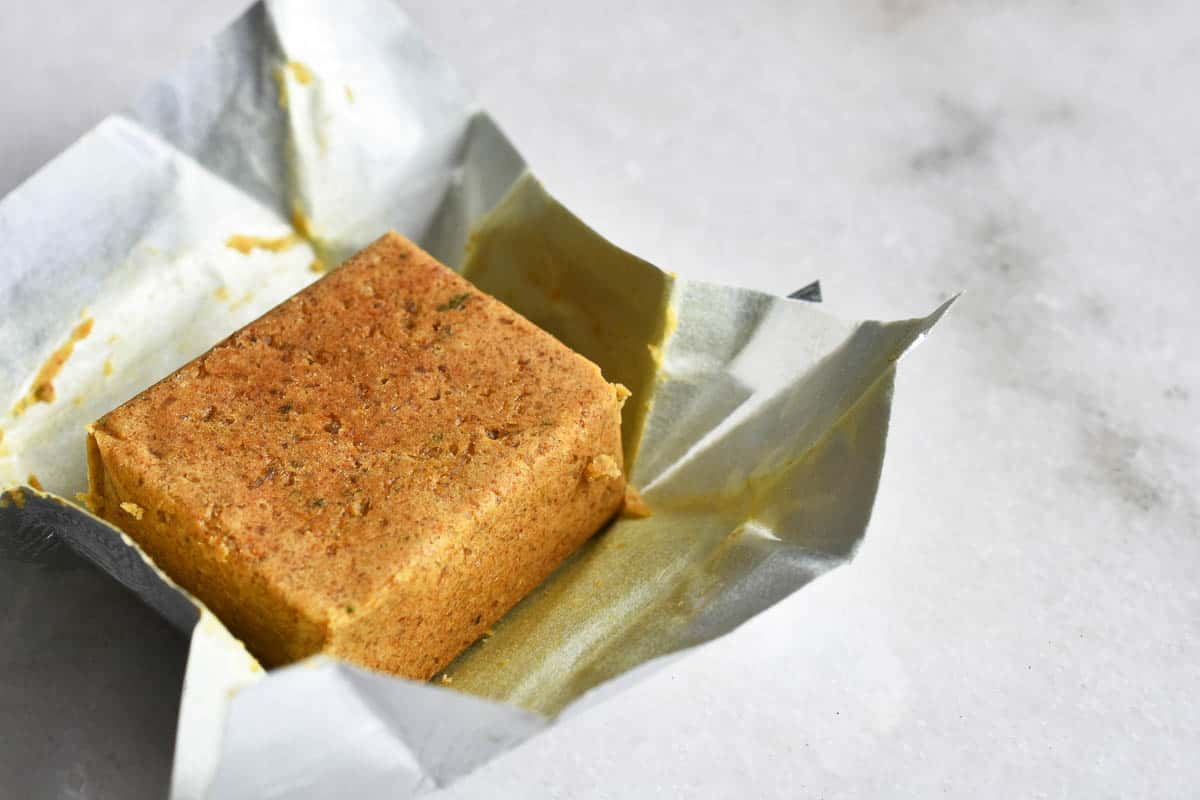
[{"x": 759, "y": 422}]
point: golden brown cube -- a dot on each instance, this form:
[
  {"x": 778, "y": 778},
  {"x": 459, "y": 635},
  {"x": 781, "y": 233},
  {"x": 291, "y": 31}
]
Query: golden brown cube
[{"x": 378, "y": 468}]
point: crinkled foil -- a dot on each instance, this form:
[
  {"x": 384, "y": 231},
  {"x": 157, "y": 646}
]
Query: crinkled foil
[{"x": 756, "y": 430}]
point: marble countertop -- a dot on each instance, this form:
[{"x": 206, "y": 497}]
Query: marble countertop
[{"x": 1023, "y": 618}]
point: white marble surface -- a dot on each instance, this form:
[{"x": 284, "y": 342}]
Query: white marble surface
[{"x": 1024, "y": 616}]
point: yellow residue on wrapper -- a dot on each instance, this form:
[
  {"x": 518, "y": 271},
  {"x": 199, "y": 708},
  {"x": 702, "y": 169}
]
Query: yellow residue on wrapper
[
  {"x": 244, "y": 244},
  {"x": 14, "y": 497},
  {"x": 300, "y": 221},
  {"x": 302, "y": 231},
  {"x": 622, "y": 393},
  {"x": 302, "y": 224},
  {"x": 349, "y": 94},
  {"x": 42, "y": 390},
  {"x": 34, "y": 483},
  {"x": 322, "y": 139},
  {"x": 300, "y": 73},
  {"x": 655, "y": 354},
  {"x": 634, "y": 507},
  {"x": 108, "y": 367},
  {"x": 281, "y": 83},
  {"x": 221, "y": 293}
]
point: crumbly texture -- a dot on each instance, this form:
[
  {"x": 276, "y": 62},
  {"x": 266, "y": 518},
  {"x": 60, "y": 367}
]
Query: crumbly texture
[
  {"x": 379, "y": 468},
  {"x": 634, "y": 506}
]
